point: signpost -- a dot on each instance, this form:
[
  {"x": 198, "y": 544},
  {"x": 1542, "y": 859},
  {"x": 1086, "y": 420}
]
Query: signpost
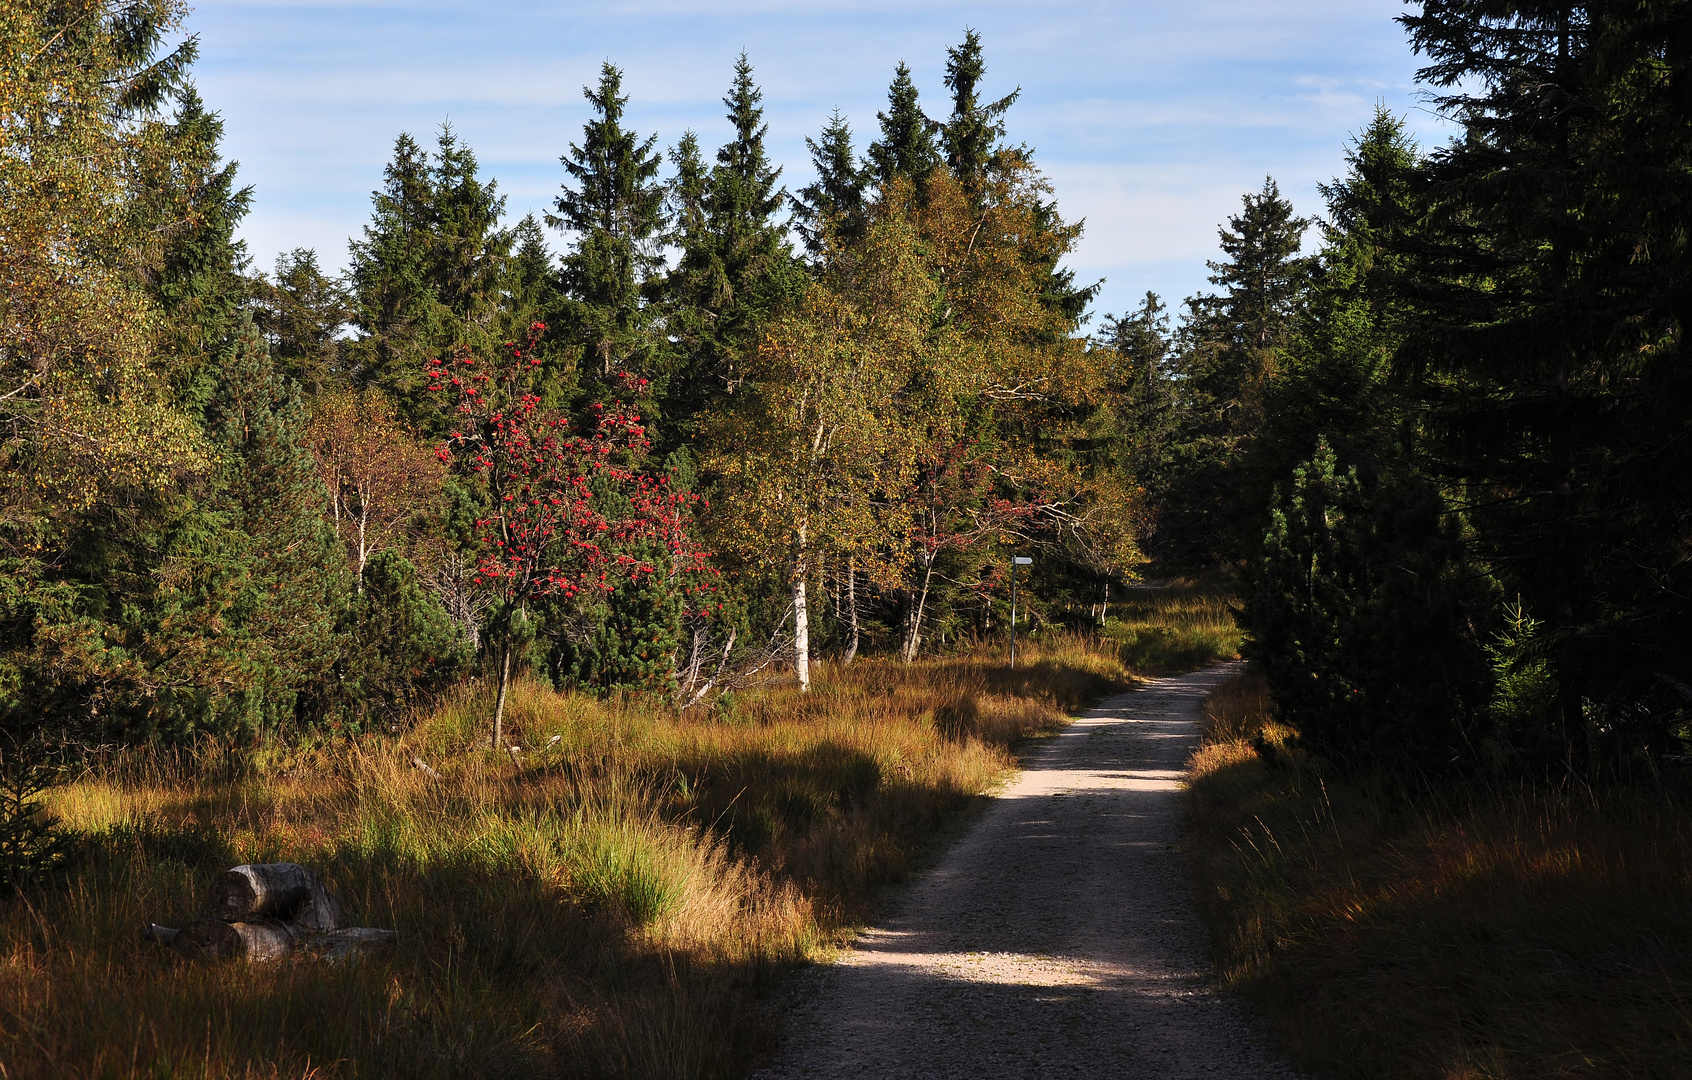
[{"x": 1016, "y": 561}]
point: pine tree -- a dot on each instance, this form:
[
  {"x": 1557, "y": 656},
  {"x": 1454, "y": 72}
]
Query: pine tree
[
  {"x": 287, "y": 587},
  {"x": 906, "y": 147},
  {"x": 836, "y": 200},
  {"x": 613, "y": 208}
]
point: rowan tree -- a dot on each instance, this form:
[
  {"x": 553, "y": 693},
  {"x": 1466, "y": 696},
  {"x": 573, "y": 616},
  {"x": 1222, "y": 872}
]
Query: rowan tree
[{"x": 573, "y": 512}]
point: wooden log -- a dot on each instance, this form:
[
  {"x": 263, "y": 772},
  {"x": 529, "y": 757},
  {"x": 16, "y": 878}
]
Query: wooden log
[
  {"x": 164, "y": 935},
  {"x": 340, "y": 944},
  {"x": 284, "y": 891},
  {"x": 214, "y": 939}
]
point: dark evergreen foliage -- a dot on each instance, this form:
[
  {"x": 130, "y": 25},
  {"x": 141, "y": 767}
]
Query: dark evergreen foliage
[
  {"x": 302, "y": 313},
  {"x": 613, "y": 209},
  {"x": 426, "y": 277},
  {"x": 1232, "y": 346},
  {"x": 906, "y": 147},
  {"x": 970, "y": 137},
  {"x": 1554, "y": 269},
  {"x": 736, "y": 266},
  {"x": 835, "y": 202},
  {"x": 200, "y": 279},
  {"x": 401, "y": 645}
]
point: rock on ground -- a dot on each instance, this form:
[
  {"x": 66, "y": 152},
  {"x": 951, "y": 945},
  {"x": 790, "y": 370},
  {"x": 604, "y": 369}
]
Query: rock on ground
[{"x": 1056, "y": 939}]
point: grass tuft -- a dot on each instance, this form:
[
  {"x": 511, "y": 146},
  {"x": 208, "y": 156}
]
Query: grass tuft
[{"x": 1391, "y": 929}]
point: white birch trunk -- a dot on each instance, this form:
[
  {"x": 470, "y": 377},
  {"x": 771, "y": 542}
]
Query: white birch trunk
[
  {"x": 913, "y": 640},
  {"x": 852, "y": 608},
  {"x": 801, "y": 617}
]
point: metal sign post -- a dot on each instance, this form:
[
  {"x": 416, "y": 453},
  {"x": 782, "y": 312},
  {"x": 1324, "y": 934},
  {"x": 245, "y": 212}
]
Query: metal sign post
[{"x": 1016, "y": 561}]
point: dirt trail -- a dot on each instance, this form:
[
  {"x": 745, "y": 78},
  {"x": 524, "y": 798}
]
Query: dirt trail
[{"x": 1055, "y": 939}]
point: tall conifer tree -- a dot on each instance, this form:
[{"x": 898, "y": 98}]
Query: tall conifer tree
[
  {"x": 970, "y": 136},
  {"x": 1231, "y": 347},
  {"x": 1553, "y": 361},
  {"x": 738, "y": 269},
  {"x": 613, "y": 208},
  {"x": 200, "y": 281},
  {"x": 426, "y": 276},
  {"x": 836, "y": 199},
  {"x": 906, "y": 147}
]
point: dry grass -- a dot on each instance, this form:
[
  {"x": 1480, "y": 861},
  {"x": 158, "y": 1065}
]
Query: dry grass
[
  {"x": 619, "y": 907},
  {"x": 1508, "y": 932},
  {"x": 1174, "y": 628}
]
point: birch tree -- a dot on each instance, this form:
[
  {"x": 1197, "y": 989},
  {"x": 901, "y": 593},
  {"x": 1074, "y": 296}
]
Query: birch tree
[{"x": 819, "y": 442}]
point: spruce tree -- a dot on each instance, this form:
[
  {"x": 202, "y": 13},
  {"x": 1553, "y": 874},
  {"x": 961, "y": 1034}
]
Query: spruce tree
[
  {"x": 613, "y": 208},
  {"x": 427, "y": 276},
  {"x": 970, "y": 137},
  {"x": 1552, "y": 363},
  {"x": 1138, "y": 421},
  {"x": 1230, "y": 350},
  {"x": 302, "y": 312},
  {"x": 401, "y": 320},
  {"x": 836, "y": 200},
  {"x": 906, "y": 147},
  {"x": 736, "y": 267},
  {"x": 200, "y": 280}
]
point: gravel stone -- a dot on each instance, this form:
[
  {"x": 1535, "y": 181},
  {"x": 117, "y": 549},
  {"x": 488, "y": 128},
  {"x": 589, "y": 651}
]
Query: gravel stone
[{"x": 1055, "y": 939}]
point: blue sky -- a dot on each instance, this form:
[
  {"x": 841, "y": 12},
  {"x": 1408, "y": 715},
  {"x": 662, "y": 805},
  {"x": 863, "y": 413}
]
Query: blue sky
[{"x": 1151, "y": 119}]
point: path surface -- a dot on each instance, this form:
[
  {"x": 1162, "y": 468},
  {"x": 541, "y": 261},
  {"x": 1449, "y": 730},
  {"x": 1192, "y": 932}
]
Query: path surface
[{"x": 1055, "y": 939}]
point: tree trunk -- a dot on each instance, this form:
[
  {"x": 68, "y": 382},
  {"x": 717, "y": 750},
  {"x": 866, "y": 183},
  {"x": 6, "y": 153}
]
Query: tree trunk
[
  {"x": 276, "y": 891},
  {"x": 852, "y": 608},
  {"x": 499, "y": 707},
  {"x": 214, "y": 939},
  {"x": 801, "y": 619},
  {"x": 913, "y": 636}
]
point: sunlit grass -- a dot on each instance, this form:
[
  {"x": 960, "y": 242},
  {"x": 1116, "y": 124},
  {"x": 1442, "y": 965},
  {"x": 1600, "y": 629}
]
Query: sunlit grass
[
  {"x": 616, "y": 904},
  {"x": 1389, "y": 928},
  {"x": 1174, "y": 628}
]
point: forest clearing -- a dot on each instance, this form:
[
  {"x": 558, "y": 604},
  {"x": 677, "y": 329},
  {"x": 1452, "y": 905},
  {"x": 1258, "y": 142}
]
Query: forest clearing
[{"x": 519, "y": 643}]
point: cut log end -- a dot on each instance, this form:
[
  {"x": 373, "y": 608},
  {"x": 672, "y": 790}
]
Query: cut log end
[{"x": 284, "y": 891}]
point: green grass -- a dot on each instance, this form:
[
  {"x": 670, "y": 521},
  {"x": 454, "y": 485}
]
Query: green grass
[
  {"x": 1175, "y": 628},
  {"x": 1387, "y": 929},
  {"x": 621, "y": 906}
]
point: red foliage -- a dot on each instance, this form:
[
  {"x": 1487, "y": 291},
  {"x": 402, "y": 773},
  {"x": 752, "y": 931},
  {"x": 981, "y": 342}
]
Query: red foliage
[{"x": 551, "y": 532}]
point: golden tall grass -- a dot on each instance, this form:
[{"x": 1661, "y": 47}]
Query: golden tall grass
[
  {"x": 1392, "y": 930},
  {"x": 617, "y": 906}
]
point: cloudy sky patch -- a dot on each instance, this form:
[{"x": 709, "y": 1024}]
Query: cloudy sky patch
[{"x": 1152, "y": 119}]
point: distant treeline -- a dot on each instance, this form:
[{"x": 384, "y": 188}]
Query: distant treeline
[{"x": 727, "y": 428}]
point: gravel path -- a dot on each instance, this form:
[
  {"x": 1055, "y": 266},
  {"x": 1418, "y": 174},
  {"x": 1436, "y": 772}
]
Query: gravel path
[{"x": 1055, "y": 939}]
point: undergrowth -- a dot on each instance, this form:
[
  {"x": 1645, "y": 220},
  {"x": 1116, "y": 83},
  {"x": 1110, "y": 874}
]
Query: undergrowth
[
  {"x": 616, "y": 903},
  {"x": 1392, "y": 928}
]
